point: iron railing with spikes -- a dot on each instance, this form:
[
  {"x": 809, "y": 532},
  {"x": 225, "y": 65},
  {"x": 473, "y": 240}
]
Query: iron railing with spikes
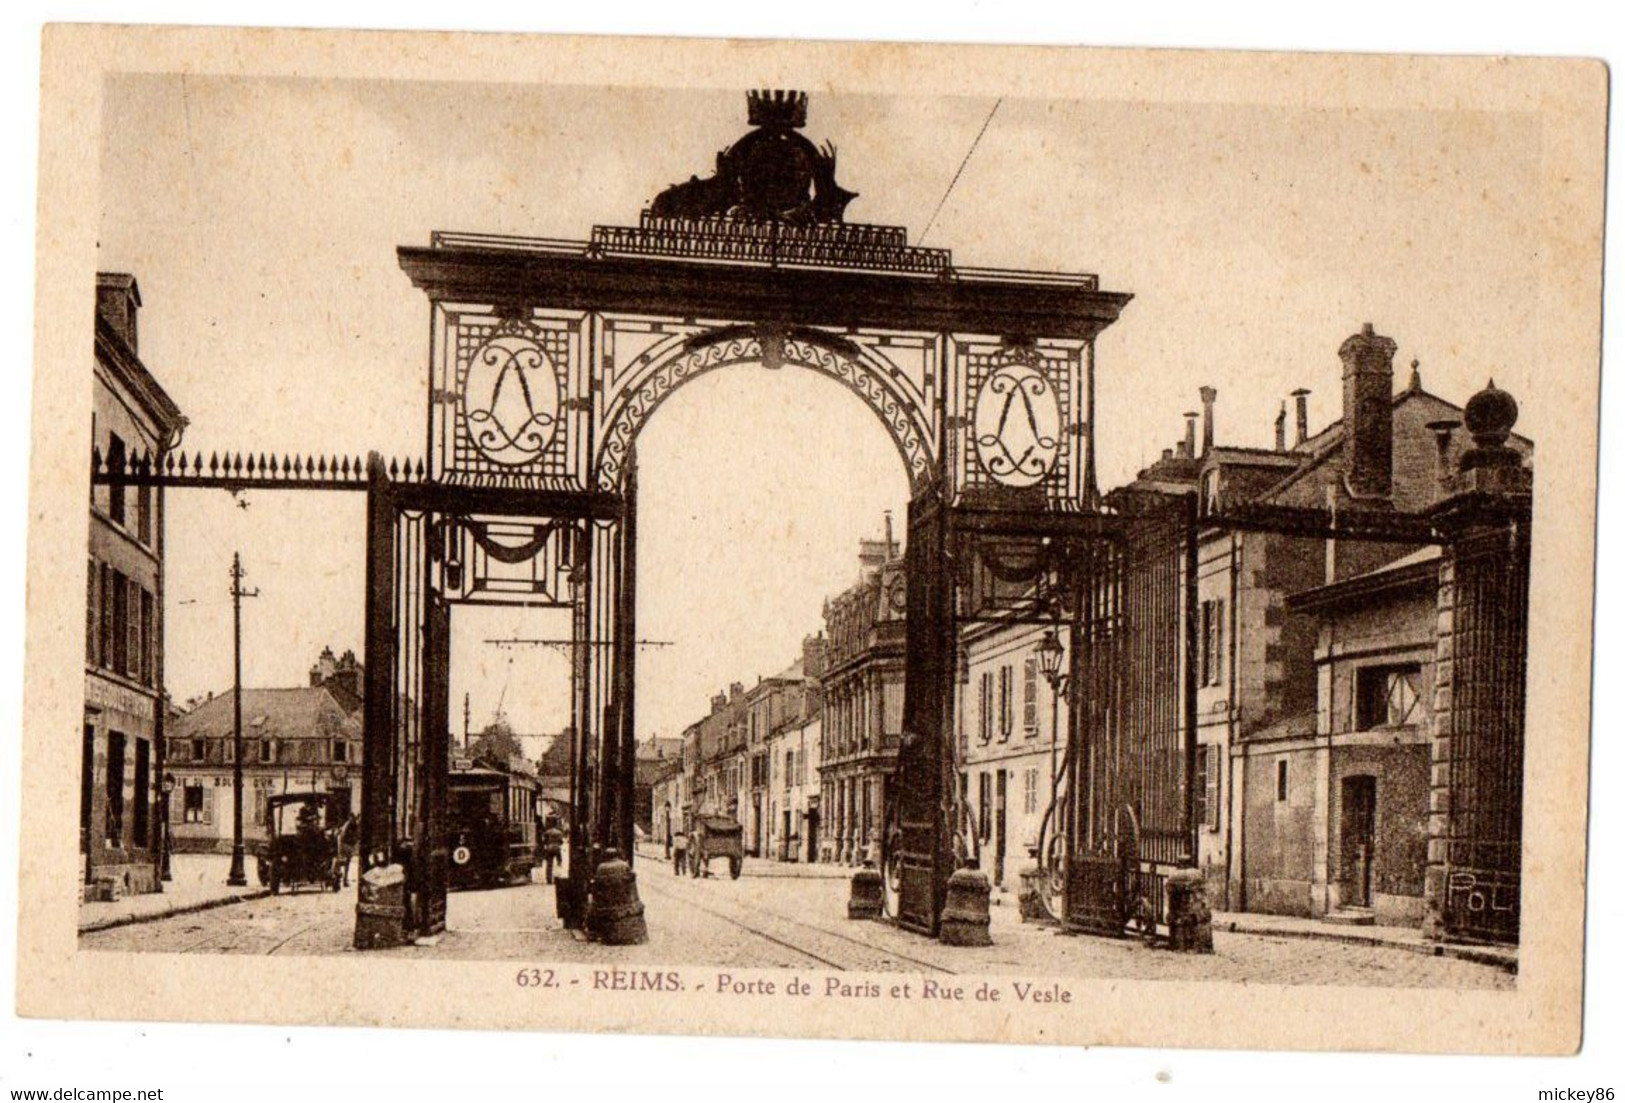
[{"x": 245, "y": 471}]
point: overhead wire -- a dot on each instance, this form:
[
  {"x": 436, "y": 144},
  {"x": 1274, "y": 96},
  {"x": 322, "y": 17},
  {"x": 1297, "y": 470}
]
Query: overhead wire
[{"x": 976, "y": 141}]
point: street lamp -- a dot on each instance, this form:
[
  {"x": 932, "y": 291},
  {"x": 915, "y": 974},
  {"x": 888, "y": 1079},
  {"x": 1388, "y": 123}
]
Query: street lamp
[
  {"x": 1051, "y": 654},
  {"x": 166, "y": 787}
]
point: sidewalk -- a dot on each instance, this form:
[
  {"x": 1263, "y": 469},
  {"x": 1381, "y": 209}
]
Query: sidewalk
[
  {"x": 199, "y": 883},
  {"x": 1398, "y": 938},
  {"x": 1003, "y": 901}
]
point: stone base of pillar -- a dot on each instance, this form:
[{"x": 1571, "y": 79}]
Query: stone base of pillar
[
  {"x": 1030, "y": 897},
  {"x": 867, "y": 898},
  {"x": 615, "y": 914},
  {"x": 380, "y": 911},
  {"x": 965, "y": 917},
  {"x": 1190, "y": 918}
]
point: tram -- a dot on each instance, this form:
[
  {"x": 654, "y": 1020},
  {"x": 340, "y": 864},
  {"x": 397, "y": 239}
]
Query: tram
[{"x": 491, "y": 824}]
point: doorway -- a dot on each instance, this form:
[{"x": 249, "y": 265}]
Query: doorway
[{"x": 1359, "y": 824}]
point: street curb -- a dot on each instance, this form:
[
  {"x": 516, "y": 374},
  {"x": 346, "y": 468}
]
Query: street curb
[
  {"x": 181, "y": 909},
  {"x": 1473, "y": 954}
]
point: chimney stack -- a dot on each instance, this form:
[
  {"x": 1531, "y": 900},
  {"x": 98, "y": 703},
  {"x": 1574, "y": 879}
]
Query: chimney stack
[
  {"x": 1280, "y": 429},
  {"x": 1301, "y": 397},
  {"x": 1368, "y": 413},
  {"x": 1209, "y": 395},
  {"x": 117, "y": 300},
  {"x": 1188, "y": 449}
]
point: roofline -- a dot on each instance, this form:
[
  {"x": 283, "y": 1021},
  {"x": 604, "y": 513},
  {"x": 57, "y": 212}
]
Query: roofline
[
  {"x": 1371, "y": 584},
  {"x": 146, "y": 389}
]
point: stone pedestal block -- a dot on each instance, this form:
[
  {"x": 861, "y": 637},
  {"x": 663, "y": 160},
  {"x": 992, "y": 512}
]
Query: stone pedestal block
[
  {"x": 866, "y": 900},
  {"x": 965, "y": 917},
  {"x": 1190, "y": 918},
  {"x": 380, "y": 911},
  {"x": 614, "y": 913}
]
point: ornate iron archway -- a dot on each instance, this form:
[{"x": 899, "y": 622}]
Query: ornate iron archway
[{"x": 884, "y": 387}]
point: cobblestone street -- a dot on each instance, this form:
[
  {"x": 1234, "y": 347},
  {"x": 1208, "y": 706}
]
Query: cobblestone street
[{"x": 779, "y": 916}]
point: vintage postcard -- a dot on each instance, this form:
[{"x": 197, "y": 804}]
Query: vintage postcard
[{"x": 813, "y": 540}]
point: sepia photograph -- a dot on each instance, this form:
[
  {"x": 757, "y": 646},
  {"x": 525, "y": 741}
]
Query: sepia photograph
[{"x": 648, "y": 535}]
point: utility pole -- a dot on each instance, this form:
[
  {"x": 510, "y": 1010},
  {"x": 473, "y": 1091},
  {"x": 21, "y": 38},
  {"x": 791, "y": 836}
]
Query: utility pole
[{"x": 237, "y": 877}]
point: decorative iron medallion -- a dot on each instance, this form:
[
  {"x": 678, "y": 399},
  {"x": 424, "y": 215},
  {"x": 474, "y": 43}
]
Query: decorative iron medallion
[
  {"x": 1017, "y": 424},
  {"x": 511, "y": 398}
]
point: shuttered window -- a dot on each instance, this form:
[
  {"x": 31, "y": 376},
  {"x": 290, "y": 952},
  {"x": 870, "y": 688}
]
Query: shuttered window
[{"x": 1029, "y": 696}]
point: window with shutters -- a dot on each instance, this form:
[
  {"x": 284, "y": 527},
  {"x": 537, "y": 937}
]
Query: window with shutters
[
  {"x": 143, "y": 514},
  {"x": 121, "y": 623},
  {"x": 1029, "y": 696},
  {"x": 1212, "y": 664},
  {"x": 986, "y": 709},
  {"x": 1215, "y": 767},
  {"x": 984, "y": 806},
  {"x": 1029, "y": 792},
  {"x": 1388, "y": 696},
  {"x": 1207, "y": 780},
  {"x": 1006, "y": 702},
  {"x": 92, "y": 614},
  {"x": 115, "y": 491},
  {"x": 105, "y": 651},
  {"x": 149, "y": 632},
  {"x": 132, "y": 629}
]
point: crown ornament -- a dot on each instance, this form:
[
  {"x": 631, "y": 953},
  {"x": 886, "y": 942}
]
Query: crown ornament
[{"x": 777, "y": 108}]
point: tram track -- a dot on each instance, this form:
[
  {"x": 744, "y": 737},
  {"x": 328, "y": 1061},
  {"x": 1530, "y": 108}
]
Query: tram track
[
  {"x": 734, "y": 920},
  {"x": 921, "y": 962}
]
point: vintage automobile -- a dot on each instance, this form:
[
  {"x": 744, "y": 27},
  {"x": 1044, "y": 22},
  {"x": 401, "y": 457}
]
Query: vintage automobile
[
  {"x": 300, "y": 848},
  {"x": 716, "y": 837}
]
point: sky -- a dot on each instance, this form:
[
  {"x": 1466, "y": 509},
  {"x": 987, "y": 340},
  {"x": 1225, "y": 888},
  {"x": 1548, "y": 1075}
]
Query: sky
[{"x": 261, "y": 219}]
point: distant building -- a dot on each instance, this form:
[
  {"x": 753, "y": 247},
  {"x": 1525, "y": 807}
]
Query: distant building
[
  {"x": 652, "y": 759},
  {"x": 122, "y": 756},
  {"x": 296, "y": 740},
  {"x": 720, "y": 785},
  {"x": 863, "y": 702},
  {"x": 343, "y": 676}
]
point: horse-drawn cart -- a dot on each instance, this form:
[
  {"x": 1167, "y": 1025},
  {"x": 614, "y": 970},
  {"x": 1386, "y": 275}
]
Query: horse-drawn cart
[{"x": 716, "y": 837}]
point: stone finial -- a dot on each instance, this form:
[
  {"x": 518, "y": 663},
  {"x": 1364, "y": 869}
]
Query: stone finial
[{"x": 1490, "y": 416}]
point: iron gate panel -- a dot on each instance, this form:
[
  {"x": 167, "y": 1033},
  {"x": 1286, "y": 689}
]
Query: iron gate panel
[
  {"x": 923, "y": 787},
  {"x": 1130, "y": 741},
  {"x": 430, "y": 845}
]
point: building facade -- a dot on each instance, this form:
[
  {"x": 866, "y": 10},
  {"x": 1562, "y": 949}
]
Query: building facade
[
  {"x": 863, "y": 703},
  {"x": 1366, "y": 781},
  {"x": 297, "y": 740},
  {"x": 121, "y": 838},
  {"x": 1008, "y": 753},
  {"x": 1270, "y": 810}
]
